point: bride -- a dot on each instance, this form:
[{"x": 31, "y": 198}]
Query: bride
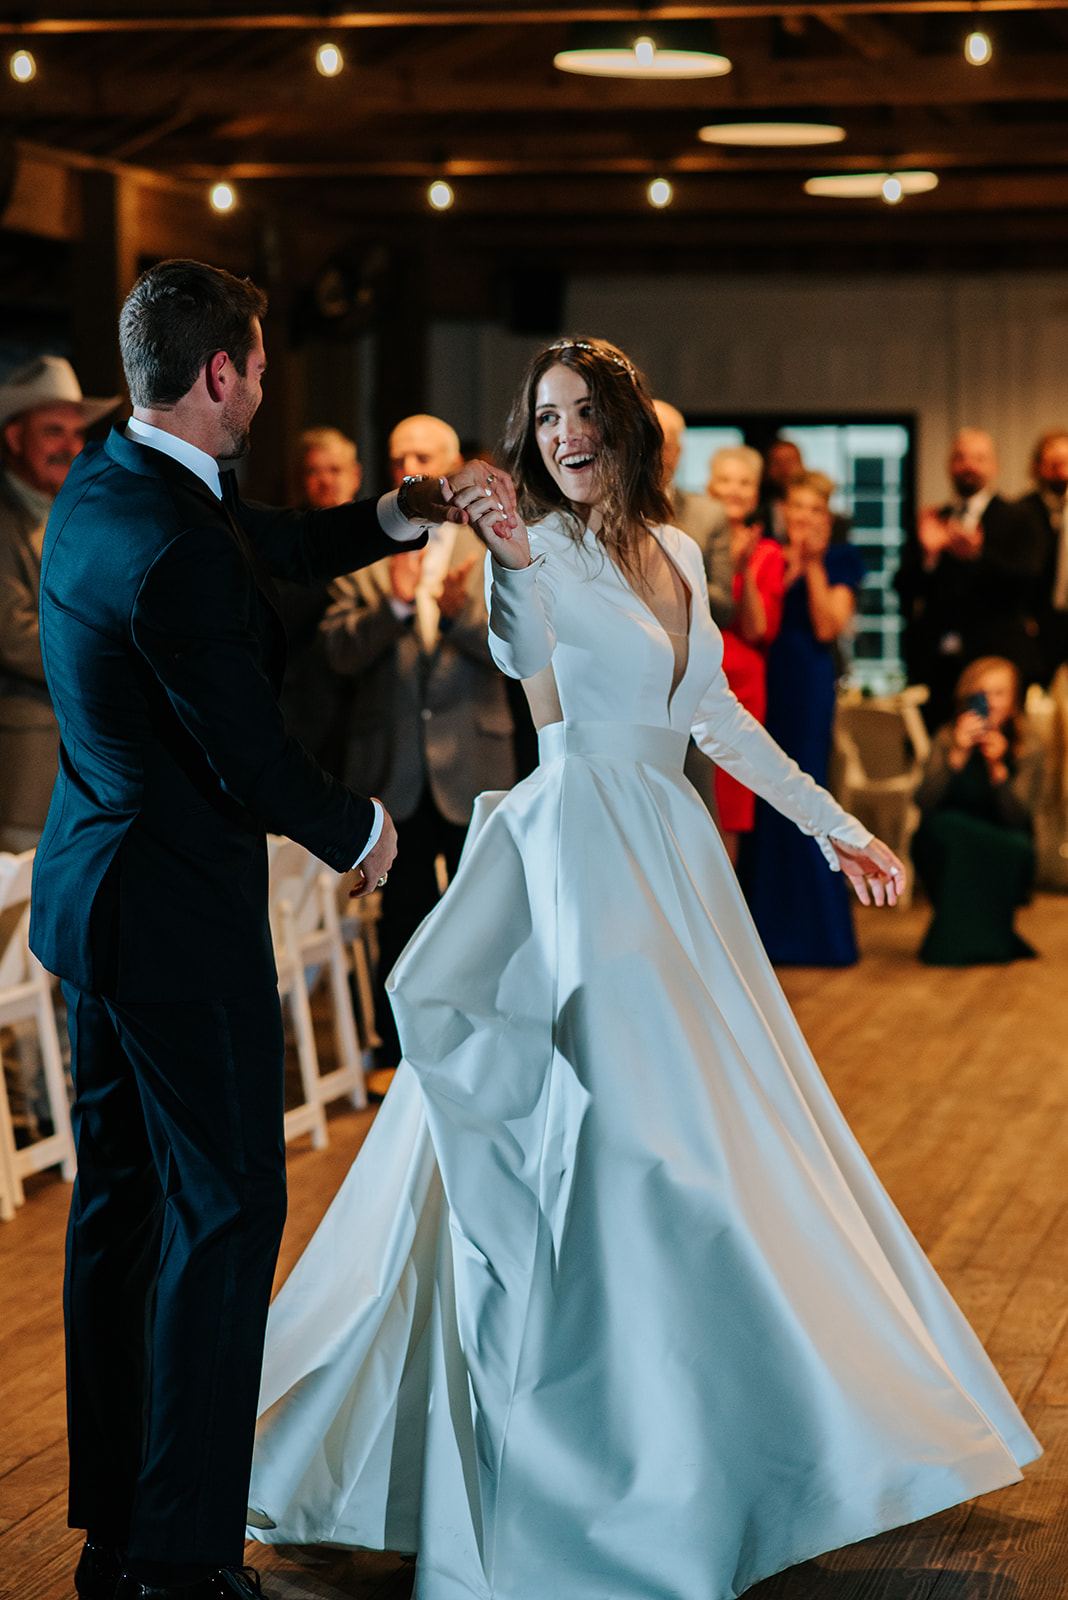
[{"x": 611, "y": 1305}]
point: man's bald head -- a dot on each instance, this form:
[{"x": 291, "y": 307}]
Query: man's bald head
[
  {"x": 423, "y": 445},
  {"x": 673, "y": 426},
  {"x": 973, "y": 462}
]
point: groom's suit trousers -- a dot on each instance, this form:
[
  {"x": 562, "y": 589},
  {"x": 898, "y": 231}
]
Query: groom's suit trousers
[{"x": 181, "y": 1173}]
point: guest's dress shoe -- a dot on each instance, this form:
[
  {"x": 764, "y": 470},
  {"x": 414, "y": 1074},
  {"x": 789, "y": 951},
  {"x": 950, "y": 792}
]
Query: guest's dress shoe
[
  {"x": 225, "y": 1583},
  {"x": 98, "y": 1572}
]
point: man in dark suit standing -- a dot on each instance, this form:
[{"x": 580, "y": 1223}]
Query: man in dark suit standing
[
  {"x": 965, "y": 583},
  {"x": 164, "y": 656},
  {"x": 1046, "y": 507}
]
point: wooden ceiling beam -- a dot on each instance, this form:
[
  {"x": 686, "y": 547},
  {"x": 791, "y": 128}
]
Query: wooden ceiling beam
[
  {"x": 361, "y": 95},
  {"x": 428, "y": 163},
  {"x": 867, "y": 36},
  {"x": 452, "y": 16}
]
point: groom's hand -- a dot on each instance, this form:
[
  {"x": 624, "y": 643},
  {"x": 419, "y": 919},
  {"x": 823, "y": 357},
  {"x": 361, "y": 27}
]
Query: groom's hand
[
  {"x": 449, "y": 499},
  {"x": 378, "y": 860}
]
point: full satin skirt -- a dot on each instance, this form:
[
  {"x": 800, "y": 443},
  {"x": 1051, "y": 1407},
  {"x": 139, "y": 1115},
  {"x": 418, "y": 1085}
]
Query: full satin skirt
[{"x": 611, "y": 1305}]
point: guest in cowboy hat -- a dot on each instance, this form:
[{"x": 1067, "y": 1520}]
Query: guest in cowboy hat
[{"x": 43, "y": 418}]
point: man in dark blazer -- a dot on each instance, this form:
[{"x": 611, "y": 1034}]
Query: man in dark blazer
[
  {"x": 965, "y": 582},
  {"x": 164, "y": 656},
  {"x": 1045, "y": 507}
]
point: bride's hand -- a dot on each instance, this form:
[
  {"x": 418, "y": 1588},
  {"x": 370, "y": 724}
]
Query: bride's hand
[
  {"x": 489, "y": 506},
  {"x": 875, "y": 872}
]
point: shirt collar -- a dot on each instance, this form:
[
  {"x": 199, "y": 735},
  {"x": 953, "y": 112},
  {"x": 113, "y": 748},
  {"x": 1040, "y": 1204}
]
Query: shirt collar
[
  {"x": 188, "y": 455},
  {"x": 977, "y": 503}
]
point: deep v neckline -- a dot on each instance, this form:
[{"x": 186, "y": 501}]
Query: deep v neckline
[{"x": 681, "y": 660}]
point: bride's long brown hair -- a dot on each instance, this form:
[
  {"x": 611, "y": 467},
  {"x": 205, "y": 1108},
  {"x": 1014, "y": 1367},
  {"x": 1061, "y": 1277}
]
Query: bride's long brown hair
[{"x": 630, "y": 475}]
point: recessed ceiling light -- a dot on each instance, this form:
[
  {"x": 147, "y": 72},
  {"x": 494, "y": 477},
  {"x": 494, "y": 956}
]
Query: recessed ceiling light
[
  {"x": 660, "y": 193},
  {"x": 771, "y": 134},
  {"x": 654, "y": 50},
  {"x": 222, "y": 197},
  {"x": 22, "y": 66},
  {"x": 440, "y": 195},
  {"x": 871, "y": 185}
]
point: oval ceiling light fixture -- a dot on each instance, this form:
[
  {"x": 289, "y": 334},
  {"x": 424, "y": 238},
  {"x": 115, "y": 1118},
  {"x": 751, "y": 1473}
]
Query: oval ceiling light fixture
[
  {"x": 772, "y": 135},
  {"x": 660, "y": 193},
  {"x": 22, "y": 66},
  {"x": 872, "y": 185},
  {"x": 650, "y": 50},
  {"x": 440, "y": 195},
  {"x": 329, "y": 60},
  {"x": 222, "y": 197},
  {"x": 977, "y": 48}
]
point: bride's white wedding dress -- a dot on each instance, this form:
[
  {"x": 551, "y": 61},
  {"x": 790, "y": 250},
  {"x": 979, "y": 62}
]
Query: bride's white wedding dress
[{"x": 611, "y": 1305}]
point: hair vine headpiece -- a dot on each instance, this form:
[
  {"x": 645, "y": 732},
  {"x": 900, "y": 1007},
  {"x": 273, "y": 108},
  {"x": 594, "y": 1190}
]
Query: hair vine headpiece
[{"x": 609, "y": 355}]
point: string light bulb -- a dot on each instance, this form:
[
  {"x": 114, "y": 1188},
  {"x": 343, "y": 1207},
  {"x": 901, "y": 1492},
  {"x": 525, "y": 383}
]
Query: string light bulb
[
  {"x": 440, "y": 195},
  {"x": 22, "y": 66},
  {"x": 660, "y": 193},
  {"x": 329, "y": 60},
  {"x": 892, "y": 190},
  {"x": 222, "y": 197},
  {"x": 978, "y": 49}
]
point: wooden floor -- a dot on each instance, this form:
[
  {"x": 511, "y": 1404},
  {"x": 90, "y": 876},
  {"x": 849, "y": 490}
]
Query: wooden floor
[{"x": 957, "y": 1086}]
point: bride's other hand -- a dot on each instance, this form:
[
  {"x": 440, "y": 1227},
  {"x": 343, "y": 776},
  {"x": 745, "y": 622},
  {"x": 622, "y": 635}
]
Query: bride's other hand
[{"x": 875, "y": 872}]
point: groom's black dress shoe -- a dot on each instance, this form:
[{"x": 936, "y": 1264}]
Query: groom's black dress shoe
[
  {"x": 225, "y": 1583},
  {"x": 98, "y": 1572}
]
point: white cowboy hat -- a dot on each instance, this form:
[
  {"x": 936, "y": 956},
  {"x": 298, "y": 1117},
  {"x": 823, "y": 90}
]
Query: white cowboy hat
[{"x": 48, "y": 381}]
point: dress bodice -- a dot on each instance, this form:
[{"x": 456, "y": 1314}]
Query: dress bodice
[
  {"x": 611, "y": 658},
  {"x": 613, "y": 662}
]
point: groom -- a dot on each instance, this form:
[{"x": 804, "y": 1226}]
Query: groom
[{"x": 164, "y": 656}]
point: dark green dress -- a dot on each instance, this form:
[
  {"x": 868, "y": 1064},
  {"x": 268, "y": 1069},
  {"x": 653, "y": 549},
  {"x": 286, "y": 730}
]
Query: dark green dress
[{"x": 975, "y": 857}]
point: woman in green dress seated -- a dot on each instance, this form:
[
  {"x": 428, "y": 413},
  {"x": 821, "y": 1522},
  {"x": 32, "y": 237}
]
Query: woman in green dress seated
[{"x": 974, "y": 850}]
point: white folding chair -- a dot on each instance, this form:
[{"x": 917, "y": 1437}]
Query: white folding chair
[
  {"x": 359, "y": 932},
  {"x": 880, "y": 749},
  {"x": 307, "y": 935},
  {"x": 26, "y": 1004}
]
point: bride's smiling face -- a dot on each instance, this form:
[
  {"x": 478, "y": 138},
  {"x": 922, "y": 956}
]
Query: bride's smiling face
[{"x": 568, "y": 436}]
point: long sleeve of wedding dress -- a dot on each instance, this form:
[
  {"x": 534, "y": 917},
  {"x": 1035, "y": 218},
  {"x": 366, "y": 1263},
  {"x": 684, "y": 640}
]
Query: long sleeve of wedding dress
[{"x": 611, "y": 1305}]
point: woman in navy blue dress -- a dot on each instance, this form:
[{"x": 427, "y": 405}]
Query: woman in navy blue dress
[{"x": 802, "y": 912}]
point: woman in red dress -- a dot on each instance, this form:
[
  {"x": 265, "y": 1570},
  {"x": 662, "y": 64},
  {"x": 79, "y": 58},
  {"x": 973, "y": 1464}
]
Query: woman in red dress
[{"x": 758, "y": 597}]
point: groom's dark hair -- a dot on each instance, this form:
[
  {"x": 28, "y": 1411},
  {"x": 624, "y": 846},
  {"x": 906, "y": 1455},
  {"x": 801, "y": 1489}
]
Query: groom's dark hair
[{"x": 176, "y": 317}]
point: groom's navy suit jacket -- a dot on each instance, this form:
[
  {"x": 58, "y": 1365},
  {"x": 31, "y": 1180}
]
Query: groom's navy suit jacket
[{"x": 164, "y": 657}]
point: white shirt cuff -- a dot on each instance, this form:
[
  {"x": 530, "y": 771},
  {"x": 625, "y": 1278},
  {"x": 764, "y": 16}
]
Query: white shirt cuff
[
  {"x": 391, "y": 520},
  {"x": 376, "y": 832}
]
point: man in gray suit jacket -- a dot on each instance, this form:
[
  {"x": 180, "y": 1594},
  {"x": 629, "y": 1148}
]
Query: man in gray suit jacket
[{"x": 429, "y": 725}]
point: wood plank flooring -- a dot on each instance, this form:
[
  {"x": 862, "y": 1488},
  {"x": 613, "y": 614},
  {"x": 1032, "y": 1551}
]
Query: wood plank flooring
[{"x": 957, "y": 1086}]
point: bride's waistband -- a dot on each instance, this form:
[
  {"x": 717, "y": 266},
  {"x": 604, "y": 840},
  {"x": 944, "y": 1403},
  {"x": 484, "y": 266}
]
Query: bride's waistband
[{"x": 625, "y": 741}]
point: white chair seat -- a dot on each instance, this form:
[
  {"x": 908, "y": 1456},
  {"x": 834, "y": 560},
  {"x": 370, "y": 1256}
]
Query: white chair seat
[{"x": 26, "y": 1002}]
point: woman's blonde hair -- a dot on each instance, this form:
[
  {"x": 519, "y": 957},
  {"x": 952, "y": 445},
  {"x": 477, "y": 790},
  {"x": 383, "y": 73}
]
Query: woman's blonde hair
[
  {"x": 738, "y": 452},
  {"x": 817, "y": 482}
]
